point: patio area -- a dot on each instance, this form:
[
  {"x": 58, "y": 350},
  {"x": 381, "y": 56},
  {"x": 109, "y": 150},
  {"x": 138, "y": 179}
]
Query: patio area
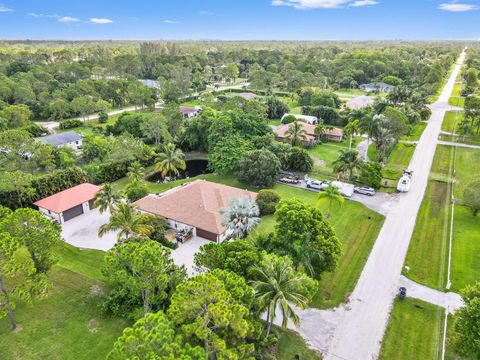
[{"x": 184, "y": 254}]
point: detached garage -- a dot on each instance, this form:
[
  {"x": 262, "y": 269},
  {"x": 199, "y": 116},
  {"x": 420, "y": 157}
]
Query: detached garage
[{"x": 70, "y": 203}]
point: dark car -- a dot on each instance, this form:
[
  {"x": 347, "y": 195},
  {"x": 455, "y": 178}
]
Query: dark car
[{"x": 402, "y": 292}]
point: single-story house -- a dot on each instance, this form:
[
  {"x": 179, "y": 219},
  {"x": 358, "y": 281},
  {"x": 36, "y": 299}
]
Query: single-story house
[
  {"x": 376, "y": 87},
  {"x": 70, "y": 139},
  {"x": 69, "y": 203},
  {"x": 150, "y": 83},
  {"x": 188, "y": 112},
  {"x": 312, "y": 120},
  {"x": 194, "y": 206},
  {"x": 333, "y": 134},
  {"x": 359, "y": 102},
  {"x": 245, "y": 95}
]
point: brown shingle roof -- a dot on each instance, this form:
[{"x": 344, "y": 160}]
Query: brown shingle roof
[
  {"x": 196, "y": 204},
  {"x": 69, "y": 198}
]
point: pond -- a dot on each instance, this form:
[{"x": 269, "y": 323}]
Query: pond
[{"x": 194, "y": 168}]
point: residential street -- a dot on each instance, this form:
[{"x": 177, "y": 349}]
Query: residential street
[
  {"x": 355, "y": 330},
  {"x": 360, "y": 331}
]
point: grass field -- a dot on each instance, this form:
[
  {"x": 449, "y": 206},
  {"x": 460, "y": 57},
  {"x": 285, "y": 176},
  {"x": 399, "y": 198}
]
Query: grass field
[
  {"x": 68, "y": 324},
  {"x": 416, "y": 132},
  {"x": 414, "y": 331},
  {"x": 427, "y": 255},
  {"x": 457, "y": 88},
  {"x": 449, "y": 120},
  {"x": 290, "y": 344},
  {"x": 325, "y": 154},
  {"x": 457, "y": 101},
  {"x": 398, "y": 160},
  {"x": 356, "y": 226}
]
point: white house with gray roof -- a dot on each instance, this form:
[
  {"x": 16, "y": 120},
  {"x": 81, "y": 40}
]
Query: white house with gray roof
[{"x": 70, "y": 139}]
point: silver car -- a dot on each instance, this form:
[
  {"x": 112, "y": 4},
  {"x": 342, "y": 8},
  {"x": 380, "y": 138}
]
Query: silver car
[{"x": 365, "y": 190}]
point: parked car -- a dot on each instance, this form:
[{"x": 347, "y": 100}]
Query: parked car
[
  {"x": 365, "y": 190},
  {"x": 290, "y": 180},
  {"x": 402, "y": 292},
  {"x": 317, "y": 184}
]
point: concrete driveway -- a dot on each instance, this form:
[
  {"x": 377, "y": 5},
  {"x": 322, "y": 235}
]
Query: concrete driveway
[
  {"x": 183, "y": 255},
  {"x": 82, "y": 231}
]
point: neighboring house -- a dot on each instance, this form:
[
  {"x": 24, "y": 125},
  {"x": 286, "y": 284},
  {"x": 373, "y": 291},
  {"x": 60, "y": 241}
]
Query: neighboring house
[
  {"x": 69, "y": 138},
  {"x": 245, "y": 95},
  {"x": 188, "y": 112},
  {"x": 195, "y": 206},
  {"x": 376, "y": 87},
  {"x": 359, "y": 102},
  {"x": 334, "y": 134},
  {"x": 312, "y": 120},
  {"x": 150, "y": 83},
  {"x": 69, "y": 203}
]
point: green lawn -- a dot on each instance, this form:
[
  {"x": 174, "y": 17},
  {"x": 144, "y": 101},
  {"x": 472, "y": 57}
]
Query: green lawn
[
  {"x": 68, "y": 324},
  {"x": 449, "y": 120},
  {"x": 398, "y": 160},
  {"x": 416, "y": 132},
  {"x": 428, "y": 253},
  {"x": 356, "y": 226},
  {"x": 291, "y": 344},
  {"x": 325, "y": 154},
  {"x": 457, "y": 88},
  {"x": 414, "y": 331},
  {"x": 457, "y": 101}
]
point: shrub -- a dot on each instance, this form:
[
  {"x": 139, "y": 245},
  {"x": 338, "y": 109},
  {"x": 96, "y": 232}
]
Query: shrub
[
  {"x": 289, "y": 119},
  {"x": 35, "y": 130},
  {"x": 102, "y": 117},
  {"x": 425, "y": 113},
  {"x": 136, "y": 190},
  {"x": 259, "y": 168},
  {"x": 300, "y": 160},
  {"x": 267, "y": 200},
  {"x": 371, "y": 175},
  {"x": 70, "y": 124}
]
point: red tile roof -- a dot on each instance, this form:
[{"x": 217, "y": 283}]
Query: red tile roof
[
  {"x": 69, "y": 198},
  {"x": 281, "y": 131},
  {"x": 196, "y": 204}
]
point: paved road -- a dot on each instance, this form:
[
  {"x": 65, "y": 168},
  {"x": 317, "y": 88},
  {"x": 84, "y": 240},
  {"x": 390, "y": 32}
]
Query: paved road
[
  {"x": 360, "y": 329},
  {"x": 52, "y": 125},
  {"x": 449, "y": 300}
]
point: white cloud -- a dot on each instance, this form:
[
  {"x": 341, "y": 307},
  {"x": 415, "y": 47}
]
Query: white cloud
[
  {"x": 323, "y": 4},
  {"x": 456, "y": 7},
  {"x": 101, "y": 21},
  {"x": 171, "y": 22},
  {"x": 68, "y": 19},
  {"x": 5, "y": 9},
  {"x": 203, "y": 12},
  {"x": 359, "y": 3}
]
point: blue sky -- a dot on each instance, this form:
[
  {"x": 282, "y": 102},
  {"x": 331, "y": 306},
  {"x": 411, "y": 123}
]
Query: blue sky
[{"x": 240, "y": 19}]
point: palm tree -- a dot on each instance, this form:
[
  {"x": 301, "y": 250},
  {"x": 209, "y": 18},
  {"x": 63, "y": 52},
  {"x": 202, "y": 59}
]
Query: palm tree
[
  {"x": 241, "y": 217},
  {"x": 304, "y": 253},
  {"x": 127, "y": 221},
  {"x": 350, "y": 130},
  {"x": 464, "y": 129},
  {"x": 369, "y": 125},
  {"x": 347, "y": 162},
  {"x": 319, "y": 130},
  {"x": 170, "y": 161},
  {"x": 136, "y": 171},
  {"x": 330, "y": 195},
  {"x": 106, "y": 199},
  {"x": 277, "y": 284},
  {"x": 296, "y": 133}
]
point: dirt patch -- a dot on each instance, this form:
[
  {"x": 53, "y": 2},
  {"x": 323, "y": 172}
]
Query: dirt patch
[
  {"x": 320, "y": 163},
  {"x": 93, "y": 326}
]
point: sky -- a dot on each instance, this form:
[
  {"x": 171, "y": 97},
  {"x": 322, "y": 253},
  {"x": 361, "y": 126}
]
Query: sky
[{"x": 240, "y": 19}]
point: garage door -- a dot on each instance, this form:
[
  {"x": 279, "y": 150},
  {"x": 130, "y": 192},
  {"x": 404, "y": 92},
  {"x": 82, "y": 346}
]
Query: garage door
[
  {"x": 71, "y": 213},
  {"x": 206, "y": 235}
]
